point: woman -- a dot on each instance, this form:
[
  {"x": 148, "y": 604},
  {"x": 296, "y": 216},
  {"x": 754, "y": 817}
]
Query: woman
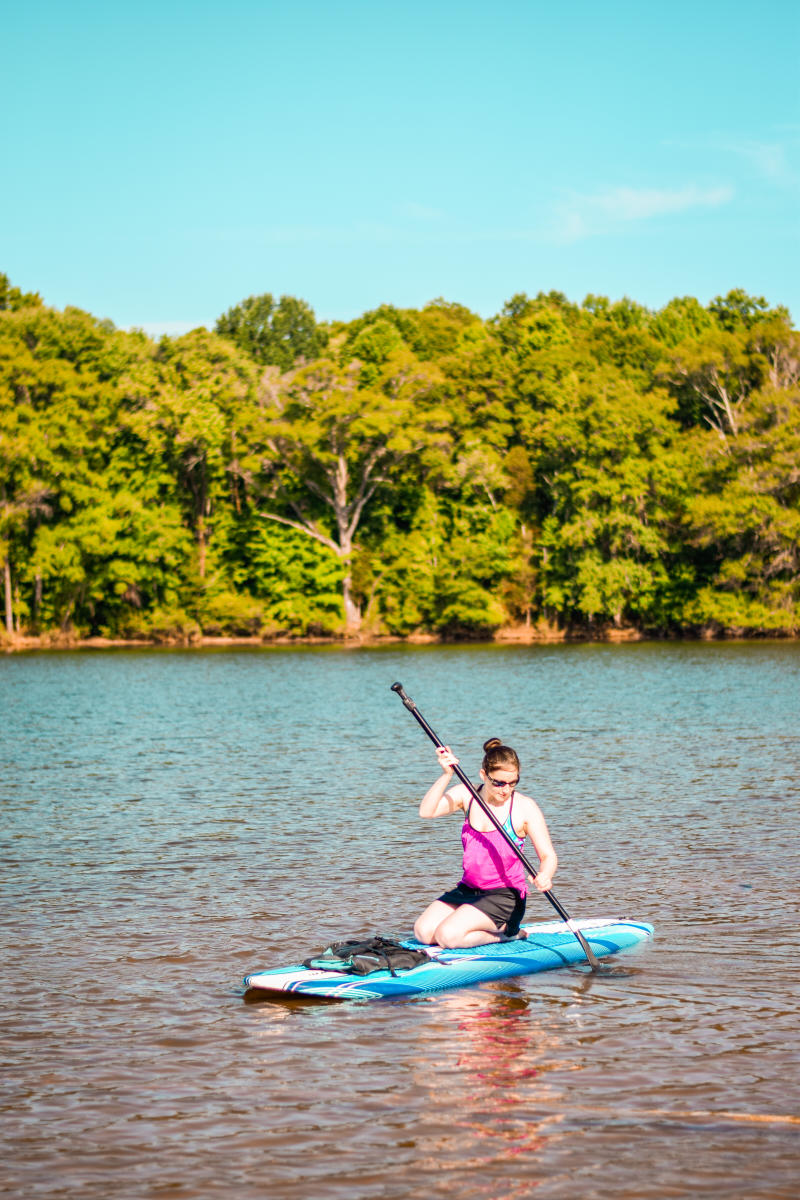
[{"x": 489, "y": 902}]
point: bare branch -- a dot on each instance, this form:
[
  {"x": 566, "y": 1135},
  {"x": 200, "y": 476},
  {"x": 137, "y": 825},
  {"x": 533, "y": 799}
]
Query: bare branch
[
  {"x": 358, "y": 507},
  {"x": 314, "y": 487},
  {"x": 303, "y": 527}
]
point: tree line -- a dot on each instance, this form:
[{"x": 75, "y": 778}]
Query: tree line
[{"x": 565, "y": 467}]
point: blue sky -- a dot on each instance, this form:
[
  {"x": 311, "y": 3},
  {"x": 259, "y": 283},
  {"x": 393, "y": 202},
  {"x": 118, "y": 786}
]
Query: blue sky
[{"x": 161, "y": 161}]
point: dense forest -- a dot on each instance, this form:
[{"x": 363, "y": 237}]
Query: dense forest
[{"x": 562, "y": 469}]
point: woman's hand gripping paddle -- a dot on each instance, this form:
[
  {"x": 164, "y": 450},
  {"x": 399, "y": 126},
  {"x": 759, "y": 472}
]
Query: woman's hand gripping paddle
[{"x": 412, "y": 708}]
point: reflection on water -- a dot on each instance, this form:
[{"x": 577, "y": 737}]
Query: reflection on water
[
  {"x": 173, "y": 820},
  {"x": 503, "y": 1055}
]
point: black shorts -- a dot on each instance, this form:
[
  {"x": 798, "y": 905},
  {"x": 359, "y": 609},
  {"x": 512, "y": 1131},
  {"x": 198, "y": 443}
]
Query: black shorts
[{"x": 504, "y": 905}]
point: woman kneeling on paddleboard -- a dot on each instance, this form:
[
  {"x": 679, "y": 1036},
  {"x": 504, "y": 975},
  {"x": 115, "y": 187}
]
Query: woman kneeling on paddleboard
[{"x": 489, "y": 902}]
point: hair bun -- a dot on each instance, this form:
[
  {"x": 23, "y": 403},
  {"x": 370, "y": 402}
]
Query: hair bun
[{"x": 495, "y": 754}]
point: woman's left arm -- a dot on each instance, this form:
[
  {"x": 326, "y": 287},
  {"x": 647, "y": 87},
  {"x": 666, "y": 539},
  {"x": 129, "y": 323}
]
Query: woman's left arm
[{"x": 537, "y": 831}]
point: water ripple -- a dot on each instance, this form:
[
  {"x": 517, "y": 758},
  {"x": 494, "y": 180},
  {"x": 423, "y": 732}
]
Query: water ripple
[{"x": 171, "y": 820}]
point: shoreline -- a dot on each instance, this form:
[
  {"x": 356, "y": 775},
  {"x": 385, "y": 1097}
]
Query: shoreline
[{"x": 519, "y": 635}]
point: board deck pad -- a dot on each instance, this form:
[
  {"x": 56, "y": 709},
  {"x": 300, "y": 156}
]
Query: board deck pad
[{"x": 548, "y": 945}]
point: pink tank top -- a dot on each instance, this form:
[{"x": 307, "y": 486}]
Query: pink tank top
[{"x": 489, "y": 861}]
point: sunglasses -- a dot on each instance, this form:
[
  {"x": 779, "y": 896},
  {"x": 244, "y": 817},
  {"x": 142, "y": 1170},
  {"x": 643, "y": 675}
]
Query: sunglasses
[{"x": 503, "y": 783}]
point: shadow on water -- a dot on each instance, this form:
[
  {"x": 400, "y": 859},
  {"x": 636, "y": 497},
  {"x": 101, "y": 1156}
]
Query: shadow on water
[
  {"x": 605, "y": 970},
  {"x": 293, "y": 1000}
]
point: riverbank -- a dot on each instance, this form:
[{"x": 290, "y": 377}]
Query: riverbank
[
  {"x": 65, "y": 642},
  {"x": 509, "y": 635}
]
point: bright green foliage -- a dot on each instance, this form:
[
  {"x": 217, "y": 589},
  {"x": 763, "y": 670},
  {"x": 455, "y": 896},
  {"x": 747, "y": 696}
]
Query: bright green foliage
[
  {"x": 404, "y": 322},
  {"x": 297, "y": 580},
  {"x": 738, "y": 311},
  {"x": 12, "y": 299},
  {"x": 200, "y": 417},
  {"x": 621, "y": 335},
  {"x": 109, "y": 560},
  {"x": 373, "y": 347},
  {"x": 412, "y": 472},
  {"x": 25, "y": 494},
  {"x": 521, "y": 586},
  {"x": 332, "y": 440},
  {"x": 477, "y": 388},
  {"x": 432, "y": 333},
  {"x": 744, "y": 520},
  {"x": 680, "y": 321},
  {"x": 442, "y": 575},
  {"x": 57, "y": 416},
  {"x": 443, "y": 329},
  {"x": 612, "y": 487}
]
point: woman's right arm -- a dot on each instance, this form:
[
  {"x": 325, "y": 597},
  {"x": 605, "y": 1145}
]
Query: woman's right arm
[{"x": 435, "y": 803}]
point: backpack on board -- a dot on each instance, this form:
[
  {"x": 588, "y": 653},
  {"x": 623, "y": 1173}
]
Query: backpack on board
[{"x": 363, "y": 956}]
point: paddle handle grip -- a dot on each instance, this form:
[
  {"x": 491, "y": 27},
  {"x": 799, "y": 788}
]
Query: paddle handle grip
[{"x": 437, "y": 741}]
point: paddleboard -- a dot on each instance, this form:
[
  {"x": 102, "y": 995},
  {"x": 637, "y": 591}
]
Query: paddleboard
[{"x": 547, "y": 945}]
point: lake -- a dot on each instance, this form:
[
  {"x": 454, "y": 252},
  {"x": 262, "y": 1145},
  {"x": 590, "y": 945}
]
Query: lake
[{"x": 172, "y": 819}]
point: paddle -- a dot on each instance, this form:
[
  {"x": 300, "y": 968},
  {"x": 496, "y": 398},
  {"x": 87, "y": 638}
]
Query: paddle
[{"x": 527, "y": 864}]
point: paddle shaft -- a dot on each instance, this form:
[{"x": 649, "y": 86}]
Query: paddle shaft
[{"x": 417, "y": 715}]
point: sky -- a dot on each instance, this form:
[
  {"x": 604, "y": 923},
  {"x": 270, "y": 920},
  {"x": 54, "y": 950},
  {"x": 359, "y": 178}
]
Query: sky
[{"x": 161, "y": 161}]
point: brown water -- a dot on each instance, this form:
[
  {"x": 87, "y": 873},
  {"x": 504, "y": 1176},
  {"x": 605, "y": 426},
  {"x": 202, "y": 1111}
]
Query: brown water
[{"x": 172, "y": 820}]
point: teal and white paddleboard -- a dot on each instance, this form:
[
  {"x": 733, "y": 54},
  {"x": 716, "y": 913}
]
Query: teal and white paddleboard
[{"x": 548, "y": 945}]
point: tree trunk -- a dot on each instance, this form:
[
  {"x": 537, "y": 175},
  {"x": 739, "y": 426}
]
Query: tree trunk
[
  {"x": 9, "y": 603},
  {"x": 352, "y": 612},
  {"x": 345, "y": 525},
  {"x": 201, "y": 546}
]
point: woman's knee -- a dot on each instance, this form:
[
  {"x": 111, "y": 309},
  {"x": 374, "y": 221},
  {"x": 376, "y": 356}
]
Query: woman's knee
[
  {"x": 459, "y": 929},
  {"x": 424, "y": 932},
  {"x": 446, "y": 939},
  {"x": 449, "y": 934},
  {"x": 430, "y": 933}
]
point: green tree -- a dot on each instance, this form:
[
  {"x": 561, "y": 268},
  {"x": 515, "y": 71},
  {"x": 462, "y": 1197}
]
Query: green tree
[
  {"x": 24, "y": 490},
  {"x": 444, "y": 327},
  {"x": 621, "y": 334},
  {"x": 197, "y": 414},
  {"x": 743, "y": 520},
  {"x": 57, "y": 373},
  {"x": 542, "y": 354},
  {"x": 434, "y": 472},
  {"x": 275, "y": 334},
  {"x": 332, "y": 441},
  {"x": 12, "y": 299},
  {"x": 477, "y": 388},
  {"x": 611, "y": 483},
  {"x": 296, "y": 579},
  {"x": 681, "y": 320},
  {"x": 738, "y": 311},
  {"x": 442, "y": 575},
  {"x": 521, "y": 589},
  {"x": 404, "y": 322},
  {"x": 713, "y": 372}
]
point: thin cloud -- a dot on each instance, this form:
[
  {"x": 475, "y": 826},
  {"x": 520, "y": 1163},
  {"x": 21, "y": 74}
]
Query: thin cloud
[
  {"x": 420, "y": 212},
  {"x": 604, "y": 212},
  {"x": 773, "y": 160},
  {"x": 770, "y": 159}
]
